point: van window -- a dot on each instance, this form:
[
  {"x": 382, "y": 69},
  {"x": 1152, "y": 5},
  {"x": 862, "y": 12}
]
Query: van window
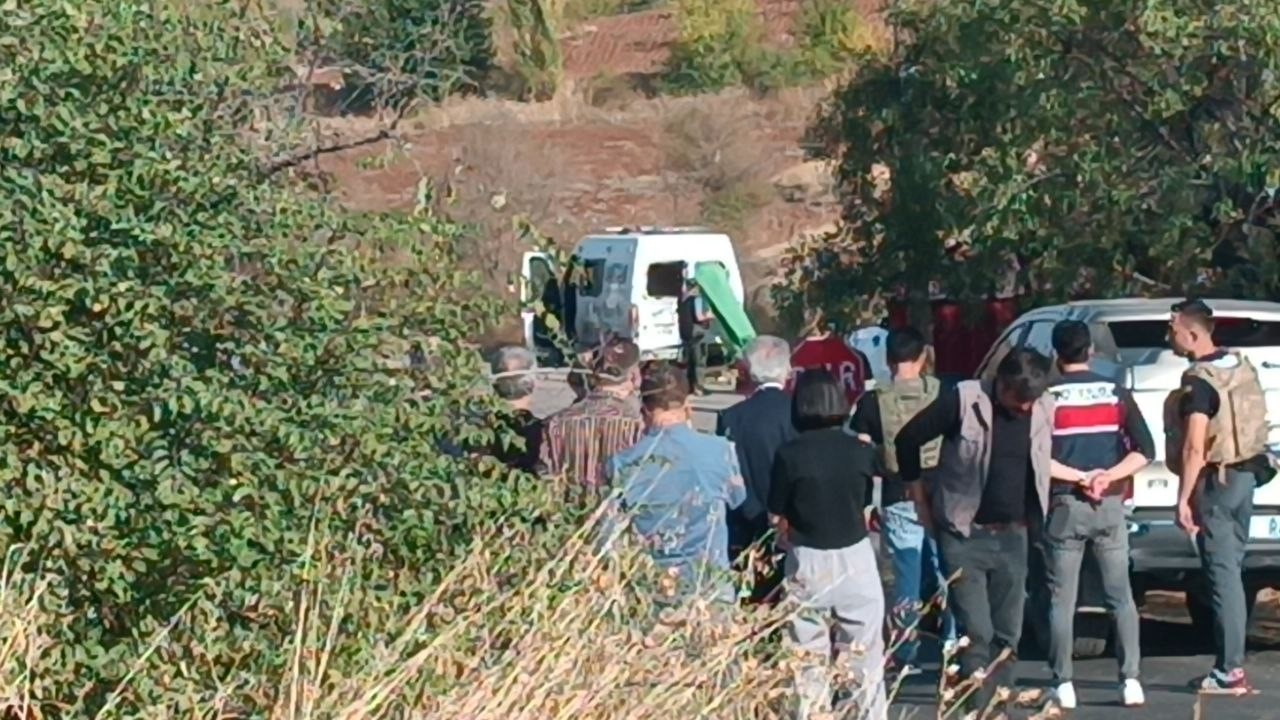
[
  {"x": 665, "y": 279},
  {"x": 1230, "y": 332},
  {"x": 1013, "y": 337},
  {"x": 589, "y": 278}
]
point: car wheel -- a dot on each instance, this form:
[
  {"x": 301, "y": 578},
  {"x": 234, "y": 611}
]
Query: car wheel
[
  {"x": 1093, "y": 631},
  {"x": 1201, "y": 612}
]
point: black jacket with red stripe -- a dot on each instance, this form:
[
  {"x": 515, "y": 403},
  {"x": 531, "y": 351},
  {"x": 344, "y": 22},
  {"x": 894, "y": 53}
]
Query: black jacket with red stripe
[{"x": 1096, "y": 424}]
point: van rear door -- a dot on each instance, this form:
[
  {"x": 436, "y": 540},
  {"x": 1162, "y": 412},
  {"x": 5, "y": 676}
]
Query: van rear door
[{"x": 658, "y": 308}]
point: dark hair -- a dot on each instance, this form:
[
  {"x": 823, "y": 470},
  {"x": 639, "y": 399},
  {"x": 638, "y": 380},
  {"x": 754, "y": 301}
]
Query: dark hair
[
  {"x": 1071, "y": 340},
  {"x": 1025, "y": 373},
  {"x": 1196, "y": 312},
  {"x": 663, "y": 386},
  {"x": 904, "y": 345},
  {"x": 818, "y": 401},
  {"x": 613, "y": 361}
]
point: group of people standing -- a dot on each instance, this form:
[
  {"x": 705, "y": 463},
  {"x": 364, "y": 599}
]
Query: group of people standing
[{"x": 973, "y": 479}]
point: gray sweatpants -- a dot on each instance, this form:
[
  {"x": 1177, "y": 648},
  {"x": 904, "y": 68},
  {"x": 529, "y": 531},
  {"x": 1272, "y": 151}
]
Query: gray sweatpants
[
  {"x": 837, "y": 590},
  {"x": 1225, "y": 507},
  {"x": 1073, "y": 526}
]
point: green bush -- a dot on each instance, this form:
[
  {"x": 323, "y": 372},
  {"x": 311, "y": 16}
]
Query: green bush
[
  {"x": 831, "y": 34},
  {"x": 719, "y": 44},
  {"x": 398, "y": 49},
  {"x": 197, "y": 414},
  {"x": 536, "y": 44}
]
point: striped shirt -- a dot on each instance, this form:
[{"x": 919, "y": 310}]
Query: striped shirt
[{"x": 579, "y": 440}]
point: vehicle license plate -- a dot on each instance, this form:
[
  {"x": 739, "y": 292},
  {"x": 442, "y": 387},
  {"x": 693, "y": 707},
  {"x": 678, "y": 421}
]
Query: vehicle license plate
[{"x": 1265, "y": 527}]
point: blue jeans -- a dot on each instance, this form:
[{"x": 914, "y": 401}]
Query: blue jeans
[{"x": 918, "y": 578}]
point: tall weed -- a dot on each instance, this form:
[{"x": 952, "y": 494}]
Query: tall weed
[{"x": 538, "y": 57}]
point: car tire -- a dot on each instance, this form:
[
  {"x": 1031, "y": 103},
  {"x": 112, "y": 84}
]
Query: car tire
[{"x": 1093, "y": 633}]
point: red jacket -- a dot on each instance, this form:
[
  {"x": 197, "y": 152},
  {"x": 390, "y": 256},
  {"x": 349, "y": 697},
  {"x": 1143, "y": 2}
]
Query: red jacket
[{"x": 834, "y": 354}]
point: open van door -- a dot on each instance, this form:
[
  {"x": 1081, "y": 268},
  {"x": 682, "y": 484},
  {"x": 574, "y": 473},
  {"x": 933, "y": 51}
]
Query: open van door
[{"x": 541, "y": 298}]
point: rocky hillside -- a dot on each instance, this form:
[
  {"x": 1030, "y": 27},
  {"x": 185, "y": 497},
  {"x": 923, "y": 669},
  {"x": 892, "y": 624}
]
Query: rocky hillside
[{"x": 608, "y": 151}]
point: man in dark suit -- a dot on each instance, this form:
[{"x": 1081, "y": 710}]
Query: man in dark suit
[{"x": 759, "y": 426}]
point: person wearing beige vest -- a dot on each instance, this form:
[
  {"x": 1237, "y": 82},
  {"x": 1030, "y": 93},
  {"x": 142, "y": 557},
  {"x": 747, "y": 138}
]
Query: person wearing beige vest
[
  {"x": 1216, "y": 440},
  {"x": 990, "y": 487}
]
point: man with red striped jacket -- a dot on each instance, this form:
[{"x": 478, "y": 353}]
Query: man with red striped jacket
[{"x": 1100, "y": 440}]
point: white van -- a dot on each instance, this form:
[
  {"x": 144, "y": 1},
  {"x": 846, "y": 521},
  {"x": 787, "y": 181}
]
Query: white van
[{"x": 625, "y": 283}]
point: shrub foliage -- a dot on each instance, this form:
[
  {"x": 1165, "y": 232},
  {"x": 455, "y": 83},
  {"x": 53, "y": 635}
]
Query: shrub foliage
[
  {"x": 195, "y": 408},
  {"x": 1101, "y": 148}
]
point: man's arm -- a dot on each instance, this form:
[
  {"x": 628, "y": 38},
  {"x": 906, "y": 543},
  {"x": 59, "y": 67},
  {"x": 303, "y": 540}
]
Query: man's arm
[
  {"x": 865, "y": 423},
  {"x": 1199, "y": 403},
  {"x": 779, "y": 497},
  {"x": 1193, "y": 462},
  {"x": 1142, "y": 447},
  {"x": 737, "y": 491},
  {"x": 941, "y": 417},
  {"x": 1066, "y": 473}
]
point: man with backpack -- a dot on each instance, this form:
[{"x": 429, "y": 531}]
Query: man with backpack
[
  {"x": 917, "y": 567},
  {"x": 1216, "y": 428}
]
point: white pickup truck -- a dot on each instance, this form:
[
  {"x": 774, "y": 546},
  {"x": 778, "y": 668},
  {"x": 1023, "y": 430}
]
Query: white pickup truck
[{"x": 1130, "y": 345}]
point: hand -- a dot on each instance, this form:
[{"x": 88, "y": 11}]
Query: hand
[
  {"x": 1096, "y": 484},
  {"x": 1187, "y": 519}
]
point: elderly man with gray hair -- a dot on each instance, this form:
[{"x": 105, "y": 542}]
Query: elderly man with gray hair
[
  {"x": 759, "y": 426},
  {"x": 515, "y": 378}
]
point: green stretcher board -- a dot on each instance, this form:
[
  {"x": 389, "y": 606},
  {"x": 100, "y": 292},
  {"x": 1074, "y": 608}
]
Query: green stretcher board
[{"x": 734, "y": 326}]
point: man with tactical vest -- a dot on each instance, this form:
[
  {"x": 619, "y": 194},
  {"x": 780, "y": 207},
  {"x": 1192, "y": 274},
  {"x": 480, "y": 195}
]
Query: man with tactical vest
[
  {"x": 1216, "y": 440},
  {"x": 1100, "y": 440},
  {"x": 881, "y": 413},
  {"x": 991, "y": 486}
]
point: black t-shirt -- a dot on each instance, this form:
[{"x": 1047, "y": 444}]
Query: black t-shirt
[
  {"x": 1010, "y": 490},
  {"x": 1011, "y": 486},
  {"x": 821, "y": 483}
]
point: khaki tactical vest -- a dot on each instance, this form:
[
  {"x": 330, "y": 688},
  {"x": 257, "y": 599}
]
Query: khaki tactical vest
[
  {"x": 1238, "y": 432},
  {"x": 899, "y": 401}
]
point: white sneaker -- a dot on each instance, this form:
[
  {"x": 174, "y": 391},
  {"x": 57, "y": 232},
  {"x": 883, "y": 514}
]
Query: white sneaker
[
  {"x": 1065, "y": 696},
  {"x": 1131, "y": 693}
]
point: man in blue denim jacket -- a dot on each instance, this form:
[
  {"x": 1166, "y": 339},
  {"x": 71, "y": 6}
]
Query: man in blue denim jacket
[{"x": 675, "y": 487}]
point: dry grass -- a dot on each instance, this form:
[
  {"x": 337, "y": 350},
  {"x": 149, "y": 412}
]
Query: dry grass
[{"x": 576, "y": 637}]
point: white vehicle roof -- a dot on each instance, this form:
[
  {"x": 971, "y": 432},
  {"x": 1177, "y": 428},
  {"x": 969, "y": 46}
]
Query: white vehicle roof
[{"x": 1155, "y": 308}]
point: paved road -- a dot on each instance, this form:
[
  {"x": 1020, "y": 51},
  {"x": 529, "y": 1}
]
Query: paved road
[{"x": 1173, "y": 655}]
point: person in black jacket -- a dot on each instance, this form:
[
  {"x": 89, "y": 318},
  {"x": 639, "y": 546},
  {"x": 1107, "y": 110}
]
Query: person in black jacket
[
  {"x": 818, "y": 493},
  {"x": 758, "y": 426}
]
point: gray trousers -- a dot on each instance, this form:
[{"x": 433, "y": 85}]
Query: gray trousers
[
  {"x": 988, "y": 598},
  {"x": 1225, "y": 507},
  {"x": 1075, "y": 525},
  {"x": 837, "y": 590}
]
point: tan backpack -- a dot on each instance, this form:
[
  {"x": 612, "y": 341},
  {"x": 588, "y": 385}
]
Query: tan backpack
[
  {"x": 899, "y": 401},
  {"x": 1238, "y": 432}
]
